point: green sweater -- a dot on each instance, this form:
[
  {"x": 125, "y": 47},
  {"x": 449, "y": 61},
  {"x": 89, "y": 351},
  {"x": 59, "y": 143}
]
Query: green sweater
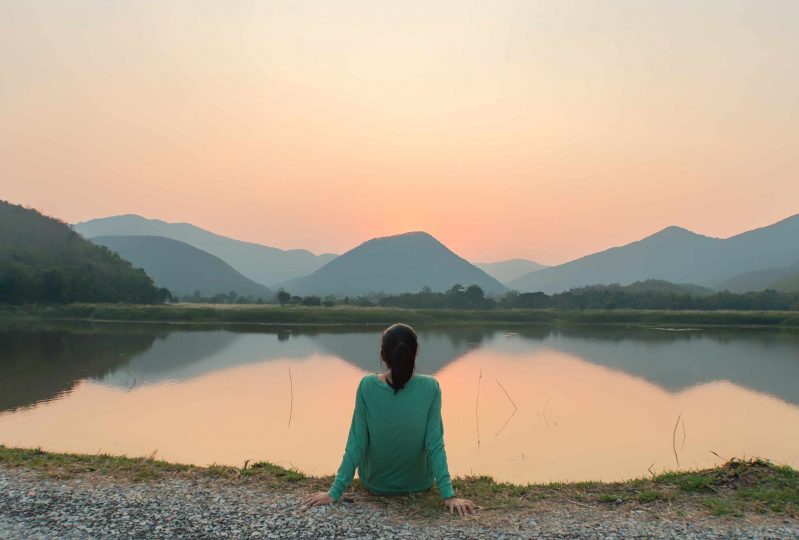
[{"x": 396, "y": 441}]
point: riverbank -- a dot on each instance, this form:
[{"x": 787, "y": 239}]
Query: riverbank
[
  {"x": 345, "y": 315},
  {"x": 69, "y": 495}
]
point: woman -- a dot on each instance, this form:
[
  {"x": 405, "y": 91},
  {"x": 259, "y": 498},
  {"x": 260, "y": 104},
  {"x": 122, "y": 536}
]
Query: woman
[{"x": 396, "y": 439}]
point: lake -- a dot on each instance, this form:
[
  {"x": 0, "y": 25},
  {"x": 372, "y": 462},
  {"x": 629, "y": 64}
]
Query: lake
[{"x": 522, "y": 404}]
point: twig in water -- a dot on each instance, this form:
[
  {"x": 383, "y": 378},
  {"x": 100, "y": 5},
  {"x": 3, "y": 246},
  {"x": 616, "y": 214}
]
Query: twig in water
[
  {"x": 291, "y": 403},
  {"x": 476, "y": 405},
  {"x": 506, "y": 393},
  {"x": 506, "y": 423},
  {"x": 683, "y": 436},
  {"x": 515, "y": 409},
  {"x": 544, "y": 411},
  {"x": 674, "y": 440},
  {"x": 132, "y": 386}
]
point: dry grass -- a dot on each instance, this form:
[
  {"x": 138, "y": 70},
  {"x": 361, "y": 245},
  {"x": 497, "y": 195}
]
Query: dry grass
[{"x": 736, "y": 488}]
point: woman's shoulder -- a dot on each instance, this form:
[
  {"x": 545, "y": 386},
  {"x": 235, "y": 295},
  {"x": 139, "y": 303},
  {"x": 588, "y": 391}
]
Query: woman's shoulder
[
  {"x": 426, "y": 381},
  {"x": 423, "y": 382},
  {"x": 368, "y": 378}
]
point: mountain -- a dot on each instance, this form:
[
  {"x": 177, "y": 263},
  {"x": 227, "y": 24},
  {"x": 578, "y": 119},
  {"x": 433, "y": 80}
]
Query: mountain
[
  {"x": 660, "y": 256},
  {"x": 263, "y": 264},
  {"x": 43, "y": 260},
  {"x": 677, "y": 255},
  {"x": 181, "y": 268},
  {"x": 505, "y": 271},
  {"x": 394, "y": 264}
]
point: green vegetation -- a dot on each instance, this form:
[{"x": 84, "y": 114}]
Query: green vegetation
[
  {"x": 43, "y": 260},
  {"x": 644, "y": 295},
  {"x": 346, "y": 315},
  {"x": 735, "y": 488}
]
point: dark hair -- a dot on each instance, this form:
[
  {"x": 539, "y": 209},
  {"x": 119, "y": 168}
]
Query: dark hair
[{"x": 398, "y": 350}]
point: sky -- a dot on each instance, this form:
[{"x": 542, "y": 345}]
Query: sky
[{"x": 510, "y": 128}]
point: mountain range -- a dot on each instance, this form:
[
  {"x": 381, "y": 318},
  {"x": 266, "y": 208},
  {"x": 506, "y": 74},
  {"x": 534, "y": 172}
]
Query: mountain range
[
  {"x": 394, "y": 264},
  {"x": 181, "y": 268},
  {"x": 763, "y": 258},
  {"x": 680, "y": 256},
  {"x": 262, "y": 264}
]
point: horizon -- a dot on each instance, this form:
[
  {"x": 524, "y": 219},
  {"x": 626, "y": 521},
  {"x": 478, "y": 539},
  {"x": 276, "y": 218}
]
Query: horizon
[{"x": 506, "y": 130}]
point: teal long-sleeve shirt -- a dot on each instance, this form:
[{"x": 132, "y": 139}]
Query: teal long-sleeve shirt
[{"x": 396, "y": 440}]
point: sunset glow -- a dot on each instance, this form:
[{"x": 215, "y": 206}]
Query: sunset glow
[{"x": 545, "y": 130}]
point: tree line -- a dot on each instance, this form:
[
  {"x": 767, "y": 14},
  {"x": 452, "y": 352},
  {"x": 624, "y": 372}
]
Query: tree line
[{"x": 598, "y": 297}]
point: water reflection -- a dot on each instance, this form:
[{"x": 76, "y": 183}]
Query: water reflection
[
  {"x": 42, "y": 362},
  {"x": 560, "y": 403}
]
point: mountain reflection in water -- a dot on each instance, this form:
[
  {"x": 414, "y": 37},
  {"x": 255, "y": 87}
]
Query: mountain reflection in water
[{"x": 579, "y": 402}]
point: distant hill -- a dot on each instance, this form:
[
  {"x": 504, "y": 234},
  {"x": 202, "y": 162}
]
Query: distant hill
[
  {"x": 789, "y": 283},
  {"x": 652, "y": 286},
  {"x": 506, "y": 271},
  {"x": 758, "y": 280},
  {"x": 262, "y": 264},
  {"x": 394, "y": 264},
  {"x": 676, "y": 255},
  {"x": 181, "y": 268},
  {"x": 42, "y": 260}
]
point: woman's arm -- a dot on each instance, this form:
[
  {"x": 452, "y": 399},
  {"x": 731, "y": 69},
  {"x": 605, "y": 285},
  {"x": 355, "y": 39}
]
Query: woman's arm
[
  {"x": 434, "y": 444},
  {"x": 437, "y": 456},
  {"x": 356, "y": 446}
]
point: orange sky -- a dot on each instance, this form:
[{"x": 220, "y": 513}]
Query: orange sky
[{"x": 545, "y": 130}]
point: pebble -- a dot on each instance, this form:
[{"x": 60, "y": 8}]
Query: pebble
[{"x": 32, "y": 507}]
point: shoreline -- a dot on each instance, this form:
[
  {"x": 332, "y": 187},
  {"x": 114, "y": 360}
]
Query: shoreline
[
  {"x": 735, "y": 489},
  {"x": 273, "y": 315},
  {"x": 49, "y": 495}
]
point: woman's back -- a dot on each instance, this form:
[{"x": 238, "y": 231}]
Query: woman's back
[
  {"x": 395, "y": 460},
  {"x": 396, "y": 439}
]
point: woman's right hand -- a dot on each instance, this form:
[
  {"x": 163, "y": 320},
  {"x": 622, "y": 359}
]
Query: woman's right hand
[{"x": 461, "y": 507}]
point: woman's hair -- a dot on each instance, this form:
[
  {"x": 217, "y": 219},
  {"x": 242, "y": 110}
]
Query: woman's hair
[{"x": 398, "y": 350}]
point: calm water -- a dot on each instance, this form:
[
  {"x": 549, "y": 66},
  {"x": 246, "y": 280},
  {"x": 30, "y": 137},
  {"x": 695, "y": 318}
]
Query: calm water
[{"x": 526, "y": 404}]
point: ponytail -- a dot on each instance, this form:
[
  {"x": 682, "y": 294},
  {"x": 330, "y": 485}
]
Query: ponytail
[
  {"x": 398, "y": 349},
  {"x": 402, "y": 364}
]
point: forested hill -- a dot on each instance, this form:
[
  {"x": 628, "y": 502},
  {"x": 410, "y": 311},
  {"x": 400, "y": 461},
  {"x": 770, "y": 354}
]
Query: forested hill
[
  {"x": 42, "y": 260},
  {"x": 181, "y": 268}
]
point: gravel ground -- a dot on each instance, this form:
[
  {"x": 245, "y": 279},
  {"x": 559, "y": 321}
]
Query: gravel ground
[{"x": 91, "y": 506}]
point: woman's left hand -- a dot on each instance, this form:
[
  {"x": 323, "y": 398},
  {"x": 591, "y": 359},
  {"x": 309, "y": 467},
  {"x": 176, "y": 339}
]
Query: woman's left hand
[{"x": 320, "y": 498}]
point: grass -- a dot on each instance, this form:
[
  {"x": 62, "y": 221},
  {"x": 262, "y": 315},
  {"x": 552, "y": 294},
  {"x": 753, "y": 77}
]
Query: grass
[
  {"x": 736, "y": 488},
  {"x": 344, "y": 315}
]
